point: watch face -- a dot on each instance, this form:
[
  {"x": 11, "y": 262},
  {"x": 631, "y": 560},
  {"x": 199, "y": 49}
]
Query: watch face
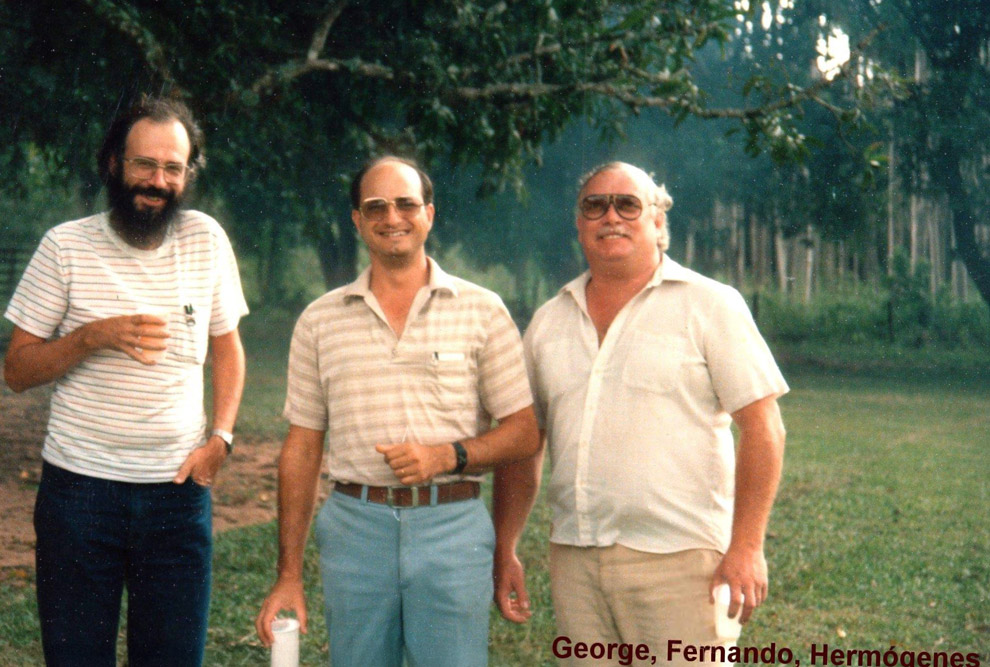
[{"x": 228, "y": 438}]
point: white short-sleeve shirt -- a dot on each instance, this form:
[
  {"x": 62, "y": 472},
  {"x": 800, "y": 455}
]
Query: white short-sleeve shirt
[
  {"x": 111, "y": 416},
  {"x": 639, "y": 429}
]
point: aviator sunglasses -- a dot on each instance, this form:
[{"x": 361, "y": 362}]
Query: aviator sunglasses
[
  {"x": 628, "y": 207},
  {"x": 376, "y": 209}
]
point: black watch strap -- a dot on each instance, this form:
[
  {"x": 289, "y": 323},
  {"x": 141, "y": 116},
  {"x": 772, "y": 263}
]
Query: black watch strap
[{"x": 462, "y": 459}]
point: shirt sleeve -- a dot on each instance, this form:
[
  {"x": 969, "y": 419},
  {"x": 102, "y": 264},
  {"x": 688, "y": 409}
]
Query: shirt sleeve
[
  {"x": 305, "y": 404},
  {"x": 741, "y": 365},
  {"x": 529, "y": 355},
  {"x": 229, "y": 305},
  {"x": 41, "y": 300},
  {"x": 503, "y": 384}
]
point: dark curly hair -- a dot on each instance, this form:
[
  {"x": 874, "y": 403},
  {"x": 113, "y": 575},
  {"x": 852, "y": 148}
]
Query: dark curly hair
[{"x": 158, "y": 110}]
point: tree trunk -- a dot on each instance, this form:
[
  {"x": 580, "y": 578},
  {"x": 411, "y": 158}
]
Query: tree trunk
[
  {"x": 780, "y": 248},
  {"x": 948, "y": 174},
  {"x": 891, "y": 181},
  {"x": 338, "y": 254}
]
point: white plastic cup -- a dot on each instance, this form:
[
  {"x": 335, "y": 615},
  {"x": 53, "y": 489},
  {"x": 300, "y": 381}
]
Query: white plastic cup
[
  {"x": 156, "y": 355},
  {"x": 726, "y": 627},
  {"x": 285, "y": 649}
]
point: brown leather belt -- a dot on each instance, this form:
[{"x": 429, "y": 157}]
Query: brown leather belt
[{"x": 412, "y": 496}]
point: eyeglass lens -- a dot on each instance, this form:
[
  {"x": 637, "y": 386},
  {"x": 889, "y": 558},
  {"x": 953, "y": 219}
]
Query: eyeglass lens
[
  {"x": 145, "y": 168},
  {"x": 627, "y": 206},
  {"x": 377, "y": 209}
]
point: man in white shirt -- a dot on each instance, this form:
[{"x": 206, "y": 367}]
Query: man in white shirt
[
  {"x": 120, "y": 311},
  {"x": 402, "y": 372},
  {"x": 638, "y": 368}
]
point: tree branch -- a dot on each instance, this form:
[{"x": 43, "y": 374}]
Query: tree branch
[
  {"x": 119, "y": 19},
  {"x": 627, "y": 92},
  {"x": 323, "y": 30},
  {"x": 295, "y": 69}
]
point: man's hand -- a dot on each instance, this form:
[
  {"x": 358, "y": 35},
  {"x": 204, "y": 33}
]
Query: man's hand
[
  {"x": 510, "y": 588},
  {"x": 32, "y": 361},
  {"x": 131, "y": 334},
  {"x": 203, "y": 462},
  {"x": 745, "y": 571},
  {"x": 415, "y": 464},
  {"x": 285, "y": 595}
]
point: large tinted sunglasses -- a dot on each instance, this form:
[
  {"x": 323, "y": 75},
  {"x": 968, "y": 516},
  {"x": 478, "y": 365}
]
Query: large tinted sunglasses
[
  {"x": 377, "y": 209},
  {"x": 628, "y": 207}
]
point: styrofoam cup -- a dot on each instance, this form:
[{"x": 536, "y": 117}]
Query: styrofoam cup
[
  {"x": 285, "y": 649},
  {"x": 726, "y": 627},
  {"x": 156, "y": 355}
]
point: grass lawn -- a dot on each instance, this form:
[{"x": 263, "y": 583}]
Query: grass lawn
[{"x": 880, "y": 535}]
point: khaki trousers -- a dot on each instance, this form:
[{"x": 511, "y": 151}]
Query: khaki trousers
[{"x": 618, "y": 595}]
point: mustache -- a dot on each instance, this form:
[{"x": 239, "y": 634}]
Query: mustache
[
  {"x": 607, "y": 229},
  {"x": 151, "y": 191}
]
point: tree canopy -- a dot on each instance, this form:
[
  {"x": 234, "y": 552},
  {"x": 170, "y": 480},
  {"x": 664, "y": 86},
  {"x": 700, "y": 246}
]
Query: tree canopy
[{"x": 295, "y": 95}]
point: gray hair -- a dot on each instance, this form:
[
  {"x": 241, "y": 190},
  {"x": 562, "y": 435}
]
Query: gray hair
[{"x": 658, "y": 194}]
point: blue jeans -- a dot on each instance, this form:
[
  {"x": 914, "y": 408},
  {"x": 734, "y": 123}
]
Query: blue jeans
[
  {"x": 94, "y": 538},
  {"x": 414, "y": 582}
]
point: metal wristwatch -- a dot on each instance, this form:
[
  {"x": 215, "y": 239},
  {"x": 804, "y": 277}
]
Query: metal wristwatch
[{"x": 226, "y": 436}]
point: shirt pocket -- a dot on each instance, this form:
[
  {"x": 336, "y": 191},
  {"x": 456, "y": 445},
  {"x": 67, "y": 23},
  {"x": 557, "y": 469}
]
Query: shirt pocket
[
  {"x": 436, "y": 379},
  {"x": 452, "y": 377},
  {"x": 188, "y": 335},
  {"x": 655, "y": 362}
]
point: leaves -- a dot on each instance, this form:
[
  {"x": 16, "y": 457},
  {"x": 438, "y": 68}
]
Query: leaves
[{"x": 292, "y": 92}]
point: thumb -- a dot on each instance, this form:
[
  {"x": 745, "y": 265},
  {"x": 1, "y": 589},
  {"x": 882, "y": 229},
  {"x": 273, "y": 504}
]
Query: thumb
[
  {"x": 184, "y": 471},
  {"x": 382, "y": 449}
]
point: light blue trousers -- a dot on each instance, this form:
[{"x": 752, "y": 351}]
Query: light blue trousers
[{"x": 414, "y": 582}]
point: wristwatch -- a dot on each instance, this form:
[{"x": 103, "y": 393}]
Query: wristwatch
[
  {"x": 462, "y": 459},
  {"x": 226, "y": 436}
]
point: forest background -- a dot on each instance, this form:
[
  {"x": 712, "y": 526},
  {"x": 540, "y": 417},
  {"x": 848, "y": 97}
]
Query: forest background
[{"x": 828, "y": 158}]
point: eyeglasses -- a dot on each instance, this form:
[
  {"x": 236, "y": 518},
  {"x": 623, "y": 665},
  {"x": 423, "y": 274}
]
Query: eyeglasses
[
  {"x": 376, "y": 210},
  {"x": 146, "y": 168},
  {"x": 628, "y": 207}
]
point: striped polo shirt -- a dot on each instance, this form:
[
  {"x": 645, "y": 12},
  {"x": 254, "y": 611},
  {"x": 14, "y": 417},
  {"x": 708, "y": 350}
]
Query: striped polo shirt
[
  {"x": 457, "y": 365},
  {"x": 113, "y": 417}
]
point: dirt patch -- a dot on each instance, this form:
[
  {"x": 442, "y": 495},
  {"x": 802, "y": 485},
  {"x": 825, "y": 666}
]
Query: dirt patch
[{"x": 244, "y": 493}]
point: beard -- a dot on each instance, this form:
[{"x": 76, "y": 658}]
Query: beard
[{"x": 141, "y": 226}]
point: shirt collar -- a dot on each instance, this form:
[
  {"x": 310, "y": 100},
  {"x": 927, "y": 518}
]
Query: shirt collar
[
  {"x": 440, "y": 280},
  {"x": 668, "y": 269}
]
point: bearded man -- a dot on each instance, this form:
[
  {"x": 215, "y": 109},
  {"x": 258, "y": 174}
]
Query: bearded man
[{"x": 120, "y": 311}]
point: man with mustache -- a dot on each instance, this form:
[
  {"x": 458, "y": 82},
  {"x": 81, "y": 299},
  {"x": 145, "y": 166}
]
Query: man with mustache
[
  {"x": 120, "y": 311},
  {"x": 401, "y": 372},
  {"x": 638, "y": 368}
]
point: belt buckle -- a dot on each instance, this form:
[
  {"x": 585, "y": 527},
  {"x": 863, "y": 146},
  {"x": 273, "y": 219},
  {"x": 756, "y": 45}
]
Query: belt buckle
[{"x": 390, "y": 499}]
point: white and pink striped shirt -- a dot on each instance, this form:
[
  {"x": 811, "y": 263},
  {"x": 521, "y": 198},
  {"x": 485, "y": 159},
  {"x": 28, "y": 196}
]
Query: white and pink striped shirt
[{"x": 113, "y": 417}]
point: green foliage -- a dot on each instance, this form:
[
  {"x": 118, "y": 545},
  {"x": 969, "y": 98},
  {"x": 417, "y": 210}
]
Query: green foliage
[
  {"x": 901, "y": 314},
  {"x": 40, "y": 192},
  {"x": 910, "y": 298},
  {"x": 294, "y": 95}
]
